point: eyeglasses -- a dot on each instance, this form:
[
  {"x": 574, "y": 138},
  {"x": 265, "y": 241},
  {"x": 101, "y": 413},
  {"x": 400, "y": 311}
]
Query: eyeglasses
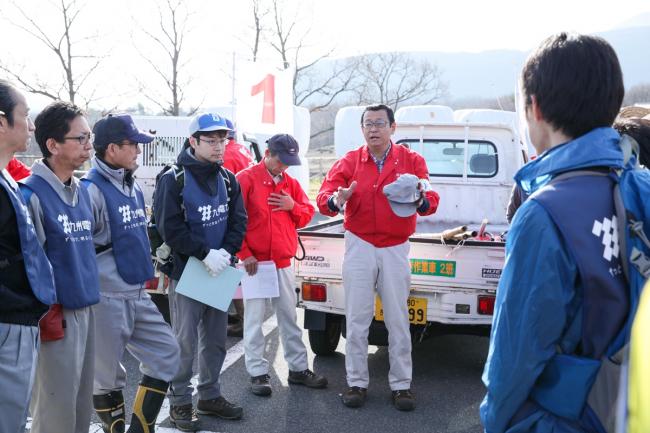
[
  {"x": 128, "y": 143},
  {"x": 82, "y": 139},
  {"x": 380, "y": 124},
  {"x": 214, "y": 143}
]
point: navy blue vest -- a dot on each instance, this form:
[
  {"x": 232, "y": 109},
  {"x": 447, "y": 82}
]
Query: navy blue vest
[
  {"x": 207, "y": 215},
  {"x": 37, "y": 267},
  {"x": 69, "y": 246},
  {"x": 583, "y": 209},
  {"x": 128, "y": 222}
]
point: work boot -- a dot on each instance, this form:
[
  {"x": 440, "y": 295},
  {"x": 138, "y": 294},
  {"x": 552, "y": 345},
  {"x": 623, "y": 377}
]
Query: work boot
[
  {"x": 110, "y": 410},
  {"x": 148, "y": 399},
  {"x": 260, "y": 385},
  {"x": 307, "y": 378},
  {"x": 184, "y": 418},
  {"x": 219, "y": 407},
  {"x": 404, "y": 400},
  {"x": 354, "y": 396}
]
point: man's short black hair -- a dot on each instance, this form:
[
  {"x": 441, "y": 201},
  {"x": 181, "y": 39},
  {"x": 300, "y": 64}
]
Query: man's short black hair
[
  {"x": 8, "y": 100},
  {"x": 379, "y": 107},
  {"x": 54, "y": 122},
  {"x": 576, "y": 81},
  {"x": 639, "y": 129}
]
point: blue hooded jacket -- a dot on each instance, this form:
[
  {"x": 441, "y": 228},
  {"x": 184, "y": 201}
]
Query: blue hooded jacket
[{"x": 539, "y": 283}]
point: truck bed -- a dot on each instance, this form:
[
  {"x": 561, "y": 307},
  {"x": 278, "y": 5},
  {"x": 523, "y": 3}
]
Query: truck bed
[
  {"x": 450, "y": 275},
  {"x": 425, "y": 230}
]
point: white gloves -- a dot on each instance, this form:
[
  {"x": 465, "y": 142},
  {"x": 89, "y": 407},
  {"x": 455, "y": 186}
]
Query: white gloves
[{"x": 216, "y": 261}]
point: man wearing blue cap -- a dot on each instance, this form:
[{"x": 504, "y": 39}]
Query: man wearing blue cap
[
  {"x": 200, "y": 213},
  {"x": 126, "y": 317}
]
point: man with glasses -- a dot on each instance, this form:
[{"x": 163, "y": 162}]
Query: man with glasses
[
  {"x": 200, "y": 213},
  {"x": 126, "y": 317},
  {"x": 376, "y": 249},
  {"x": 62, "y": 216},
  {"x": 26, "y": 281}
]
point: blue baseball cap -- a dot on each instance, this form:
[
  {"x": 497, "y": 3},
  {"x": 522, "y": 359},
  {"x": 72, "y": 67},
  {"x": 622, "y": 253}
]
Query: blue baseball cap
[
  {"x": 286, "y": 147},
  {"x": 116, "y": 128},
  {"x": 207, "y": 122}
]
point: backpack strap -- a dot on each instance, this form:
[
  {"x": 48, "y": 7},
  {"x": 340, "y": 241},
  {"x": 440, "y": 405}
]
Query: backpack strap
[
  {"x": 571, "y": 338},
  {"x": 179, "y": 175},
  {"x": 226, "y": 179},
  {"x": 621, "y": 218}
]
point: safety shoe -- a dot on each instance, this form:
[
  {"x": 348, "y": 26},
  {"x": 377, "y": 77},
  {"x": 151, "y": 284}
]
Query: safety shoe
[
  {"x": 260, "y": 385},
  {"x": 184, "y": 418},
  {"x": 307, "y": 378},
  {"x": 354, "y": 396},
  {"x": 219, "y": 407},
  {"x": 403, "y": 399}
]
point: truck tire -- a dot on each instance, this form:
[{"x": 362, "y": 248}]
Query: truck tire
[{"x": 324, "y": 342}]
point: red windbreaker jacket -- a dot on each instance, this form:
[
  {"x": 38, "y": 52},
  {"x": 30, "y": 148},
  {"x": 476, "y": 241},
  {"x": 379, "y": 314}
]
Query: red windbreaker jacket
[
  {"x": 236, "y": 157},
  {"x": 271, "y": 235},
  {"x": 367, "y": 213}
]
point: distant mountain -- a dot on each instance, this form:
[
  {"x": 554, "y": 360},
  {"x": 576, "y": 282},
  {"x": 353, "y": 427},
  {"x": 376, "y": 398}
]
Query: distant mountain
[{"x": 494, "y": 73}]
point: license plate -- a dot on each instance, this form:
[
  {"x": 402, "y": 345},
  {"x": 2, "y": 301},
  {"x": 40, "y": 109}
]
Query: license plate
[{"x": 417, "y": 308}]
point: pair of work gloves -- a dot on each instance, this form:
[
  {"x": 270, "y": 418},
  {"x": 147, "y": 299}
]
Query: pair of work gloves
[{"x": 217, "y": 261}]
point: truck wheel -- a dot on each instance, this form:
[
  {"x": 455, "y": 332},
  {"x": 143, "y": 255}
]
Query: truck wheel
[{"x": 324, "y": 342}]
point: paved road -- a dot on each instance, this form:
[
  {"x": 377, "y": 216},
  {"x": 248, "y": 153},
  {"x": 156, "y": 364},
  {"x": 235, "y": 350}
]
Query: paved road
[
  {"x": 447, "y": 385},
  {"x": 446, "y": 382}
]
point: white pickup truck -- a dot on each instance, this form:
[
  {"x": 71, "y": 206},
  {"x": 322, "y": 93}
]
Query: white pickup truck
[{"x": 472, "y": 156}]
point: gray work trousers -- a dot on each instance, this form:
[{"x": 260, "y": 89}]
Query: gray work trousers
[
  {"x": 62, "y": 399},
  {"x": 18, "y": 355},
  {"x": 284, "y": 305},
  {"x": 386, "y": 271},
  {"x": 130, "y": 321},
  {"x": 195, "y": 323}
]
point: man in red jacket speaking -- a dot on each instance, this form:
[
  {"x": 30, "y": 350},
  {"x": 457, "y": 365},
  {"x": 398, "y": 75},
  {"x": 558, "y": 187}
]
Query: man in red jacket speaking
[
  {"x": 377, "y": 246},
  {"x": 276, "y": 206}
]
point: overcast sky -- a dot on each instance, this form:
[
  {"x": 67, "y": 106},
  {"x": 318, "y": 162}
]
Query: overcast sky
[{"x": 350, "y": 27}]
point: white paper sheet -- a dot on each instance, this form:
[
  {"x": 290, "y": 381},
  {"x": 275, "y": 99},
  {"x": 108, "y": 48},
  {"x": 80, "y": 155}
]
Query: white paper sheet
[{"x": 264, "y": 284}]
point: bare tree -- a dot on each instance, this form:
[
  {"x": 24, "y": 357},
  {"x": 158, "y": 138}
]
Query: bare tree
[
  {"x": 396, "y": 78},
  {"x": 64, "y": 47},
  {"x": 501, "y": 102},
  {"x": 173, "y": 22},
  {"x": 259, "y": 13},
  {"x": 316, "y": 82},
  {"x": 639, "y": 94}
]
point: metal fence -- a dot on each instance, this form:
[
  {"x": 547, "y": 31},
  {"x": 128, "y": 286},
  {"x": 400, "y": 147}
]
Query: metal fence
[{"x": 162, "y": 150}]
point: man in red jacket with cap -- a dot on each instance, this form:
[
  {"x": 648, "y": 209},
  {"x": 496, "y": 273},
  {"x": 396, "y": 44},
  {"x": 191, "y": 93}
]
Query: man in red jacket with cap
[
  {"x": 276, "y": 206},
  {"x": 378, "y": 223},
  {"x": 236, "y": 158}
]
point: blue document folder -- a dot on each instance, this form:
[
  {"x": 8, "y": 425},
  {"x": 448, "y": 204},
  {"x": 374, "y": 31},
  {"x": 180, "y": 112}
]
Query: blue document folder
[{"x": 198, "y": 284}]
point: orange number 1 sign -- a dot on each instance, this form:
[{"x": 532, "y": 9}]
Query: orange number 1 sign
[{"x": 267, "y": 85}]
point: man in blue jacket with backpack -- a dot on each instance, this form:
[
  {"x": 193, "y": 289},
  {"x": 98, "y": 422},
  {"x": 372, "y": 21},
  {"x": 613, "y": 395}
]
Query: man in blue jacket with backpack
[
  {"x": 563, "y": 298},
  {"x": 199, "y": 212}
]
